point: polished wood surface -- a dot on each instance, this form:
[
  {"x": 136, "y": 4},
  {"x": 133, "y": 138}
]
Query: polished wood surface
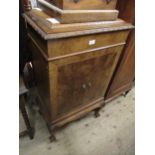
[
  {"x": 84, "y": 4},
  {"x": 48, "y": 30},
  {"x": 77, "y": 16},
  {"x": 122, "y": 80}
]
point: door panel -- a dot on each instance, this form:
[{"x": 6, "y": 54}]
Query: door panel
[{"x": 84, "y": 81}]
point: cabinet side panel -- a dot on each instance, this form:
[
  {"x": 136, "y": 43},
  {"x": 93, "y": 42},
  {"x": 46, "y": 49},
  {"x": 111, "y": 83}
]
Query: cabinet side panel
[
  {"x": 42, "y": 80},
  {"x": 126, "y": 10},
  {"x": 125, "y": 73}
]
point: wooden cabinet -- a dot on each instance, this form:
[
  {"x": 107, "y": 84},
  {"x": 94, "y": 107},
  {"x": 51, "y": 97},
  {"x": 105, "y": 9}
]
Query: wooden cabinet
[
  {"x": 123, "y": 78},
  {"x": 73, "y": 64}
]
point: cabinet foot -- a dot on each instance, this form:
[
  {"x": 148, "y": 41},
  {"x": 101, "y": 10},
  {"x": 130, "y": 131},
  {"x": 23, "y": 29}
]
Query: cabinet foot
[
  {"x": 125, "y": 93},
  {"x": 30, "y": 129},
  {"x": 97, "y": 114},
  {"x": 52, "y": 136}
]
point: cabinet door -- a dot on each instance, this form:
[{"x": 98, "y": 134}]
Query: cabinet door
[{"x": 83, "y": 79}]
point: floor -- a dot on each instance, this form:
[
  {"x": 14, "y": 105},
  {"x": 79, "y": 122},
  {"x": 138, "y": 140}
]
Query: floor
[{"x": 110, "y": 134}]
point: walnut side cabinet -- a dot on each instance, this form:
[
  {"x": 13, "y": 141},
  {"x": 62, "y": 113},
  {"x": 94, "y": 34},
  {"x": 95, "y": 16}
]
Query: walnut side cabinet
[{"x": 73, "y": 64}]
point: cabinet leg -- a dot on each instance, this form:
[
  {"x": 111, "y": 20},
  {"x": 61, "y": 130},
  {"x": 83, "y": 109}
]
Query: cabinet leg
[
  {"x": 31, "y": 133},
  {"x": 52, "y": 136},
  {"x": 97, "y": 114},
  {"x": 125, "y": 93}
]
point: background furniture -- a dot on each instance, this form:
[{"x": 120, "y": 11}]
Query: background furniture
[
  {"x": 24, "y": 52},
  {"x": 123, "y": 78},
  {"x": 22, "y": 101},
  {"x": 73, "y": 64}
]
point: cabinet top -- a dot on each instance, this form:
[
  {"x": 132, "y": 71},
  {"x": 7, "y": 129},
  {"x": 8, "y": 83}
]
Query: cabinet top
[{"x": 50, "y": 28}]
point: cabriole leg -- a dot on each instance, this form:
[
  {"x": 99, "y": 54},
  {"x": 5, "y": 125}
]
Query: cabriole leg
[
  {"x": 52, "y": 136},
  {"x": 97, "y": 114},
  {"x": 125, "y": 93}
]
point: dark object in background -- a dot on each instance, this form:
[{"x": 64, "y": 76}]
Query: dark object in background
[
  {"x": 24, "y": 53},
  {"x": 23, "y": 91},
  {"x": 25, "y": 68},
  {"x": 28, "y": 75},
  {"x": 26, "y": 5}
]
